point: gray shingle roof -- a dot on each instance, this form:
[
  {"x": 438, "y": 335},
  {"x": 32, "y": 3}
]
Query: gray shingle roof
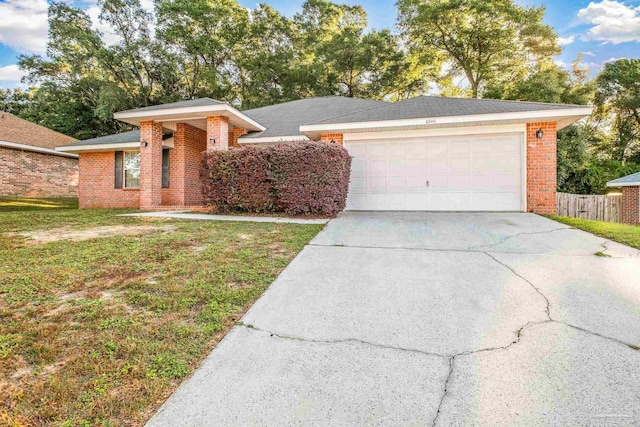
[
  {"x": 285, "y": 119},
  {"x": 629, "y": 179},
  {"x": 200, "y": 102},
  {"x": 435, "y": 106},
  {"x": 116, "y": 138}
]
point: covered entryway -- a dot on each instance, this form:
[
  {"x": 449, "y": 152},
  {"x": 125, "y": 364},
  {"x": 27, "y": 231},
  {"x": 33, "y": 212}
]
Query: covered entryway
[{"x": 459, "y": 173}]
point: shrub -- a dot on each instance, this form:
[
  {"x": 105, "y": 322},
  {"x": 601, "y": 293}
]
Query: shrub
[{"x": 290, "y": 177}]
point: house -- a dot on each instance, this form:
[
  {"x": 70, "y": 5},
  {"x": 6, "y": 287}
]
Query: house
[
  {"x": 630, "y": 185},
  {"x": 424, "y": 153},
  {"x": 30, "y": 165}
]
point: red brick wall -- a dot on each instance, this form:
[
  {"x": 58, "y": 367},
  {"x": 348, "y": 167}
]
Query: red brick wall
[
  {"x": 96, "y": 189},
  {"x": 335, "y": 137},
  {"x": 541, "y": 168},
  {"x": 185, "y": 159},
  {"x": 234, "y": 134},
  {"x": 218, "y": 128},
  {"x": 631, "y": 205},
  {"x": 25, "y": 173},
  {"x": 151, "y": 165}
]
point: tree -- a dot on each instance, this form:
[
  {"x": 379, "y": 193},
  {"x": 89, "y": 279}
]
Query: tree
[
  {"x": 618, "y": 98},
  {"x": 548, "y": 83},
  {"x": 486, "y": 41}
]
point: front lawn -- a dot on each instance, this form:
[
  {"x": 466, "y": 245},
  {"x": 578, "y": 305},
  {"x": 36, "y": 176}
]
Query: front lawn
[
  {"x": 10, "y": 204},
  {"x": 101, "y": 317},
  {"x": 621, "y": 233}
]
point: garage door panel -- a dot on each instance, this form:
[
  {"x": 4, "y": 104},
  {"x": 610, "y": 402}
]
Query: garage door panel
[
  {"x": 460, "y": 165},
  {"x": 378, "y": 184},
  {"x": 377, "y": 168},
  {"x": 397, "y": 167},
  {"x": 437, "y": 165},
  {"x": 463, "y": 173},
  {"x": 416, "y": 167}
]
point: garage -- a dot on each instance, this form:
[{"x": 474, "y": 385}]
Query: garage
[{"x": 458, "y": 173}]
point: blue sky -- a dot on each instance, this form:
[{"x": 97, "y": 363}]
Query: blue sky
[{"x": 602, "y": 30}]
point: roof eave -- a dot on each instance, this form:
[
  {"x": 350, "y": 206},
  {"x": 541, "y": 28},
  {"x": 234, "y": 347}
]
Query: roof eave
[
  {"x": 115, "y": 146},
  {"x": 564, "y": 117},
  {"x": 190, "y": 113},
  {"x": 623, "y": 184}
]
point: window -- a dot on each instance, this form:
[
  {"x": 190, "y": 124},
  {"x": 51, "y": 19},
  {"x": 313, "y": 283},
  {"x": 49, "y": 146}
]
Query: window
[
  {"x": 131, "y": 168},
  {"x": 165, "y": 168}
]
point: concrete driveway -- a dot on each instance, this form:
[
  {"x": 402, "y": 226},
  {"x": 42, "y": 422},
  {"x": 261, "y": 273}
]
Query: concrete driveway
[{"x": 432, "y": 319}]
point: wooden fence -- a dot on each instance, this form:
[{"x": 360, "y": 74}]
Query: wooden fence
[{"x": 596, "y": 207}]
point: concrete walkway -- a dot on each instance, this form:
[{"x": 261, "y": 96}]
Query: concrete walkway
[
  {"x": 240, "y": 218},
  {"x": 434, "y": 319}
]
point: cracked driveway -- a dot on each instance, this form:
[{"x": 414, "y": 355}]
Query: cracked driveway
[{"x": 432, "y": 319}]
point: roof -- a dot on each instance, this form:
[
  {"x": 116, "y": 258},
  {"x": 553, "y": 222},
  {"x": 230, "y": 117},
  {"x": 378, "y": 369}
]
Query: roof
[
  {"x": 20, "y": 131},
  {"x": 285, "y": 119},
  {"x": 436, "y": 106},
  {"x": 200, "y": 102},
  {"x": 116, "y": 138},
  {"x": 626, "y": 181}
]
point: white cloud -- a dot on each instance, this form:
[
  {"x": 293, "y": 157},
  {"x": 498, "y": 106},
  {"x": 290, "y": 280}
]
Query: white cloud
[
  {"x": 23, "y": 25},
  {"x": 611, "y": 21},
  {"x": 560, "y": 63},
  {"x": 612, "y": 59},
  {"x": 588, "y": 53},
  {"x": 11, "y": 73},
  {"x": 566, "y": 40}
]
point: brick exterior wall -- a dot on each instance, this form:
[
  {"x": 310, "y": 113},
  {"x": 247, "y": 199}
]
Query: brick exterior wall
[
  {"x": 150, "y": 165},
  {"x": 185, "y": 188},
  {"x": 630, "y": 205},
  {"x": 15, "y": 129},
  {"x": 218, "y": 128},
  {"x": 25, "y": 173},
  {"x": 234, "y": 134},
  {"x": 96, "y": 189},
  {"x": 541, "y": 168},
  {"x": 335, "y": 137}
]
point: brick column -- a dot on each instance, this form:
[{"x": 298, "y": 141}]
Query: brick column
[
  {"x": 541, "y": 168},
  {"x": 218, "y": 128},
  {"x": 630, "y": 205},
  {"x": 150, "y": 165},
  {"x": 337, "y": 138}
]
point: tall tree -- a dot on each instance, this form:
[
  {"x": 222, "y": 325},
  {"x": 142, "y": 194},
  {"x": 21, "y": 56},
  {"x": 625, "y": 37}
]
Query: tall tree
[
  {"x": 486, "y": 41},
  {"x": 618, "y": 98}
]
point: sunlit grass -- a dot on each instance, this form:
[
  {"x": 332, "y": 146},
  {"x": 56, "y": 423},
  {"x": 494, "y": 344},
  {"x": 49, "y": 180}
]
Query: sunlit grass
[
  {"x": 101, "y": 331},
  {"x": 621, "y": 233}
]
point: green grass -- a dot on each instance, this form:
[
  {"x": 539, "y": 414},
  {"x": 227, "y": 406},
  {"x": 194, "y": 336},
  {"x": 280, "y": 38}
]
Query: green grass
[
  {"x": 101, "y": 331},
  {"x": 12, "y": 204},
  {"x": 621, "y": 233}
]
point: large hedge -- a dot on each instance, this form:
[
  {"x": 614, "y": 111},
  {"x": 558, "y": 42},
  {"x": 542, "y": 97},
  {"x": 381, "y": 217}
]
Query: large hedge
[{"x": 290, "y": 177}]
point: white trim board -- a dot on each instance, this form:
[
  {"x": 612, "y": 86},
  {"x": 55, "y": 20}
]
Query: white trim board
[
  {"x": 35, "y": 149},
  {"x": 272, "y": 139},
  {"x": 544, "y": 115},
  {"x": 117, "y": 146}
]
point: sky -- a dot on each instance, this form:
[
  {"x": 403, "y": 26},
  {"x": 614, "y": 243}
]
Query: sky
[{"x": 600, "y": 30}]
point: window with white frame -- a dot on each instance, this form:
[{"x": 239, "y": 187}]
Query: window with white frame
[{"x": 131, "y": 169}]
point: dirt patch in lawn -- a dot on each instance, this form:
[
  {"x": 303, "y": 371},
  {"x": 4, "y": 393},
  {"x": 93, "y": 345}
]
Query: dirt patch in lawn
[{"x": 39, "y": 237}]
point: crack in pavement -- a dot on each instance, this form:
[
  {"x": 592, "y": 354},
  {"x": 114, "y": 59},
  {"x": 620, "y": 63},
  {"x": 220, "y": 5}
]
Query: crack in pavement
[
  {"x": 452, "y": 357},
  {"x": 445, "y": 390},
  {"x": 548, "y": 304},
  {"x": 520, "y": 234}
]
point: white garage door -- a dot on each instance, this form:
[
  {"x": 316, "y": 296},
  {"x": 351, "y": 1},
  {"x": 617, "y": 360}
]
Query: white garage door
[{"x": 462, "y": 173}]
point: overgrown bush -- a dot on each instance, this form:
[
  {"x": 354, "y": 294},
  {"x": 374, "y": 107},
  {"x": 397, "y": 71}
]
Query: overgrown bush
[{"x": 290, "y": 177}]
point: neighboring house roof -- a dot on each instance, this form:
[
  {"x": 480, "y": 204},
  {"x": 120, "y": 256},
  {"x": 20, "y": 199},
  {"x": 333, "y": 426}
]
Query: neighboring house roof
[
  {"x": 200, "y": 102},
  {"x": 626, "y": 181},
  {"x": 285, "y": 119},
  {"x": 436, "y": 106},
  {"x": 19, "y": 131}
]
